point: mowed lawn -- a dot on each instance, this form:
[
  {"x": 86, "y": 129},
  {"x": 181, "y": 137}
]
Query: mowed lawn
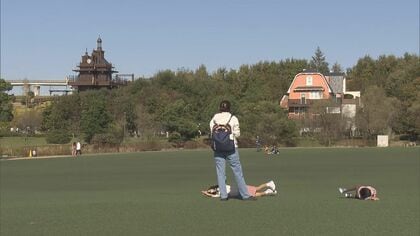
[{"x": 158, "y": 193}]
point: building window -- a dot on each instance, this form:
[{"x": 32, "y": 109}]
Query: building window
[
  {"x": 302, "y": 98},
  {"x": 308, "y": 80},
  {"x": 315, "y": 95},
  {"x": 297, "y": 110}
]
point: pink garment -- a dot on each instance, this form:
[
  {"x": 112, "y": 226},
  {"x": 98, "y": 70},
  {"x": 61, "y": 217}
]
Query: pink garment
[{"x": 252, "y": 190}]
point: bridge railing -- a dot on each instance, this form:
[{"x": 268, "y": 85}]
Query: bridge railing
[
  {"x": 120, "y": 79},
  {"x": 72, "y": 78}
]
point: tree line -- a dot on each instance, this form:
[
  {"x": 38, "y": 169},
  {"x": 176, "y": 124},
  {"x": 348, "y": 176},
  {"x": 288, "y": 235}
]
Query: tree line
[{"x": 180, "y": 103}]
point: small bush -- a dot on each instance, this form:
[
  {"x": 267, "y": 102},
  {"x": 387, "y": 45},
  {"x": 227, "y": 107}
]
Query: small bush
[
  {"x": 176, "y": 140},
  {"x": 174, "y": 137}
]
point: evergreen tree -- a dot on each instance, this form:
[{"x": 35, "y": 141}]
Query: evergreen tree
[
  {"x": 95, "y": 117},
  {"x": 336, "y": 68},
  {"x": 6, "y": 112},
  {"x": 318, "y": 62}
]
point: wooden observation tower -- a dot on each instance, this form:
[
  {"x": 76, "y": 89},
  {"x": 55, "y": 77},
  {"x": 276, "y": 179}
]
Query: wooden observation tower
[{"x": 95, "y": 72}]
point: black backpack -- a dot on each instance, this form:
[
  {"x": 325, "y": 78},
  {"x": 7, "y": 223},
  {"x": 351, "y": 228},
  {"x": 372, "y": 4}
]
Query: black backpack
[{"x": 221, "y": 141}]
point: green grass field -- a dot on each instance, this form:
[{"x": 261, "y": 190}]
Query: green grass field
[
  {"x": 22, "y": 141},
  {"x": 158, "y": 193}
]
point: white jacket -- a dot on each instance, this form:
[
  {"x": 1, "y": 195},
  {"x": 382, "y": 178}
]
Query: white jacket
[{"x": 222, "y": 118}]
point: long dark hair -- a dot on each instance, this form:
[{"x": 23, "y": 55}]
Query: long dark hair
[
  {"x": 224, "y": 106},
  {"x": 365, "y": 193},
  {"x": 213, "y": 187}
]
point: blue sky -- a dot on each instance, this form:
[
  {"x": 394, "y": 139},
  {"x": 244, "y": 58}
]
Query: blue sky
[{"x": 45, "y": 39}]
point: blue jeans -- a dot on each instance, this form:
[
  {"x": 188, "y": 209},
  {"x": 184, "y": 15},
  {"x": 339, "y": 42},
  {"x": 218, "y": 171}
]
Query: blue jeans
[{"x": 235, "y": 165}]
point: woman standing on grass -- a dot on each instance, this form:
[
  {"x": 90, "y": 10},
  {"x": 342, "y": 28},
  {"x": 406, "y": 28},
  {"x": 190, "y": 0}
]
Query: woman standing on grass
[{"x": 226, "y": 119}]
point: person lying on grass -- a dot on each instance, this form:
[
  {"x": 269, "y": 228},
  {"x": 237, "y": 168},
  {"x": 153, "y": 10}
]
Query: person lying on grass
[
  {"x": 266, "y": 189},
  {"x": 362, "y": 192}
]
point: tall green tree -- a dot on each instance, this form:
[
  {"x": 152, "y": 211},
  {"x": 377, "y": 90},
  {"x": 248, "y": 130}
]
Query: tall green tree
[
  {"x": 63, "y": 114},
  {"x": 178, "y": 117},
  {"x": 95, "y": 117},
  {"x": 325, "y": 121},
  {"x": 336, "y": 68},
  {"x": 61, "y": 120},
  {"x": 413, "y": 118},
  {"x": 269, "y": 122},
  {"x": 201, "y": 72},
  {"x": 6, "y": 112},
  {"x": 122, "y": 108},
  {"x": 377, "y": 112},
  {"x": 29, "y": 120},
  {"x": 146, "y": 124},
  {"x": 319, "y": 63}
]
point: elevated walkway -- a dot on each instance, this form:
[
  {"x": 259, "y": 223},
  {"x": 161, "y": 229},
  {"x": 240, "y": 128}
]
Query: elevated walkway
[
  {"x": 38, "y": 82},
  {"x": 35, "y": 86}
]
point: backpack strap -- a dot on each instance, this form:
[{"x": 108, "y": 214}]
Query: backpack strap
[
  {"x": 229, "y": 119},
  {"x": 231, "y": 115}
]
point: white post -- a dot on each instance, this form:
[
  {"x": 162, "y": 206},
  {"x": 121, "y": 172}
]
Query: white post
[
  {"x": 382, "y": 141},
  {"x": 37, "y": 90}
]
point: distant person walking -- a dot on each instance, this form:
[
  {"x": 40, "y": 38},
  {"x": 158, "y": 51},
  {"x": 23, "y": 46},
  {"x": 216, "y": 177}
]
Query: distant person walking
[
  {"x": 258, "y": 143},
  {"x": 78, "y": 148},
  {"x": 73, "y": 149},
  {"x": 227, "y": 150}
]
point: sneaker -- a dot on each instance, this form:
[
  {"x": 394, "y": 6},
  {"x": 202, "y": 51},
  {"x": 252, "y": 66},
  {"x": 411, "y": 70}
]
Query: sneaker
[
  {"x": 224, "y": 199},
  {"x": 270, "y": 192},
  {"x": 271, "y": 185},
  {"x": 341, "y": 190}
]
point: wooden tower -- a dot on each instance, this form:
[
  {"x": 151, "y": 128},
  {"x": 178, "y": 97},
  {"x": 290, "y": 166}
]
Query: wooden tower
[{"x": 95, "y": 71}]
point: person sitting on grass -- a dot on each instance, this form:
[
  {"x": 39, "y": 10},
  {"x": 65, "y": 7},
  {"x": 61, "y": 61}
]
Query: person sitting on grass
[
  {"x": 267, "y": 189},
  {"x": 271, "y": 150},
  {"x": 274, "y": 150},
  {"x": 362, "y": 192}
]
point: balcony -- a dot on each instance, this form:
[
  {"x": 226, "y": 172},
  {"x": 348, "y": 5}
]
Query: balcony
[
  {"x": 300, "y": 102},
  {"x": 309, "y": 102},
  {"x": 87, "y": 82}
]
